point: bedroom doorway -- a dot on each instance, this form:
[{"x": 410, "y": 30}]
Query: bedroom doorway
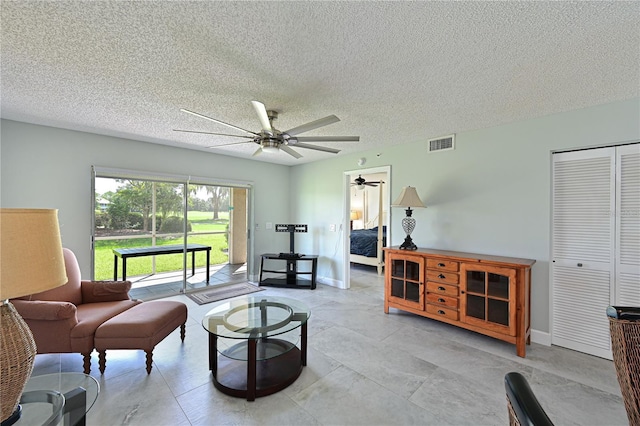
[{"x": 367, "y": 217}]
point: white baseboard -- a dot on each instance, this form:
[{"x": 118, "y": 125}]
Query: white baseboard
[
  {"x": 541, "y": 337},
  {"x": 330, "y": 281}
]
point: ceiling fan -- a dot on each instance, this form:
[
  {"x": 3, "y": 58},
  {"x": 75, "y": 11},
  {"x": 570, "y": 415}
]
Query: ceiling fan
[
  {"x": 271, "y": 139},
  {"x": 360, "y": 182}
]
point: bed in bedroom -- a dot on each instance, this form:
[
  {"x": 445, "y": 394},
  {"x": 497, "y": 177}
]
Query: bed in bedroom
[{"x": 366, "y": 246}]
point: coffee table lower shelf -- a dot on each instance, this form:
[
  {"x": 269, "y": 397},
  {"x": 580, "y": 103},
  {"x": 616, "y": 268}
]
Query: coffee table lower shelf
[{"x": 237, "y": 377}]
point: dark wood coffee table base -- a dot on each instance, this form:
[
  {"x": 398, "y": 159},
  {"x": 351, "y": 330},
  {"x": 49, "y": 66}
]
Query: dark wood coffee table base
[{"x": 251, "y": 379}]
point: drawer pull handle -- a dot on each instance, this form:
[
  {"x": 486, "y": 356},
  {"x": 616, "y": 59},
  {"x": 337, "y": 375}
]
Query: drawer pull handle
[
  {"x": 441, "y": 265},
  {"x": 441, "y": 276},
  {"x": 441, "y": 288},
  {"x": 441, "y": 312},
  {"x": 441, "y": 300}
]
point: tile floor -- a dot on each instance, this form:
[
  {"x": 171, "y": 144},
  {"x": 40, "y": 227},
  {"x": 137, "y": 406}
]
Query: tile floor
[{"x": 364, "y": 368}]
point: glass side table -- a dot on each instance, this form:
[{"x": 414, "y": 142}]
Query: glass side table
[{"x": 50, "y": 398}]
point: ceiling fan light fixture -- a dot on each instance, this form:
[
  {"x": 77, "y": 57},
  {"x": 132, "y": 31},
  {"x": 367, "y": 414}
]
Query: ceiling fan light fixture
[
  {"x": 269, "y": 146},
  {"x": 360, "y": 187}
]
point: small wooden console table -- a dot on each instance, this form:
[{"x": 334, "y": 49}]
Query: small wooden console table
[
  {"x": 126, "y": 253},
  {"x": 291, "y": 272}
]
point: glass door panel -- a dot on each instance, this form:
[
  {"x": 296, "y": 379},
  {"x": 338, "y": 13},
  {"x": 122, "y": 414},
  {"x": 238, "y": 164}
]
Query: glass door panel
[
  {"x": 208, "y": 225},
  {"x": 413, "y": 271},
  {"x": 397, "y": 288},
  {"x": 475, "y": 282},
  {"x": 133, "y": 217},
  {"x": 475, "y": 307},
  {"x": 413, "y": 292},
  {"x": 498, "y": 311},
  {"x": 397, "y": 268},
  {"x": 498, "y": 286}
]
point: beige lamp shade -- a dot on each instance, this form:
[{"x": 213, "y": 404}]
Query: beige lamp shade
[
  {"x": 408, "y": 198},
  {"x": 31, "y": 257},
  {"x": 355, "y": 215}
]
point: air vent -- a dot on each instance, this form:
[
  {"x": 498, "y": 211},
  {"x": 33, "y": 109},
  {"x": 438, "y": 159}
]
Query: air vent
[{"x": 444, "y": 143}]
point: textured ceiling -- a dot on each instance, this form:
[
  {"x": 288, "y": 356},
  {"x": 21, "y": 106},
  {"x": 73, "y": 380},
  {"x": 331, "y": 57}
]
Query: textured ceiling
[{"x": 393, "y": 72}]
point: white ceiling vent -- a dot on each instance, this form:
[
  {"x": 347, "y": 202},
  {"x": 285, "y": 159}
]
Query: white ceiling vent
[{"x": 443, "y": 143}]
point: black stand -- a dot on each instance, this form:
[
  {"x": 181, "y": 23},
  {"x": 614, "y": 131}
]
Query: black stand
[
  {"x": 291, "y": 229},
  {"x": 291, "y": 277}
]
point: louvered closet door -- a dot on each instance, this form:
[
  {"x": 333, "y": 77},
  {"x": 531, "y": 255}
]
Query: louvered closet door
[
  {"x": 627, "y": 283},
  {"x": 583, "y": 249}
]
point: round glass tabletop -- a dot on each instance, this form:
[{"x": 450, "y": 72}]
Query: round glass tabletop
[
  {"x": 40, "y": 395},
  {"x": 254, "y": 317}
]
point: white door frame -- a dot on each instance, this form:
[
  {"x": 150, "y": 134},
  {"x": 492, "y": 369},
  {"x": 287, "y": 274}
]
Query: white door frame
[{"x": 346, "y": 191}]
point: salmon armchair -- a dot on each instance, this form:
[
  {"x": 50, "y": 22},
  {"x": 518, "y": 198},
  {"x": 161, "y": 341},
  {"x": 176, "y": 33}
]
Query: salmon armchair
[{"x": 65, "y": 319}]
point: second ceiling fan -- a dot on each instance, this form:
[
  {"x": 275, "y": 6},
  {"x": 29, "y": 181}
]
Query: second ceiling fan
[
  {"x": 271, "y": 139},
  {"x": 361, "y": 182}
]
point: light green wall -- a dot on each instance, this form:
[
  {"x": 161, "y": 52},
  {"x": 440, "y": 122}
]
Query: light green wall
[
  {"x": 490, "y": 195},
  {"x": 46, "y": 167}
]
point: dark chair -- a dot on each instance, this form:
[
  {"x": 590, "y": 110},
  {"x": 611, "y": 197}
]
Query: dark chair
[
  {"x": 524, "y": 408},
  {"x": 624, "y": 325}
]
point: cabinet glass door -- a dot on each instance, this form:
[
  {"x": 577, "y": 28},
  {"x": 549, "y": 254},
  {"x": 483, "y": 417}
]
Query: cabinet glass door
[
  {"x": 488, "y": 296},
  {"x": 406, "y": 280}
]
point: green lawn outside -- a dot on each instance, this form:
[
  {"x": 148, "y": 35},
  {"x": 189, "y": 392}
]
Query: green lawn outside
[{"x": 200, "y": 222}]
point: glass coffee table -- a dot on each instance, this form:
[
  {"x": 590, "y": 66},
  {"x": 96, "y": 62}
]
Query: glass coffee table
[
  {"x": 51, "y": 398},
  {"x": 253, "y": 344}
]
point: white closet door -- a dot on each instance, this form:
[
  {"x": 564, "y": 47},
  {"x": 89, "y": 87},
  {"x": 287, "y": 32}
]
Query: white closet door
[
  {"x": 582, "y": 241},
  {"x": 627, "y": 284}
]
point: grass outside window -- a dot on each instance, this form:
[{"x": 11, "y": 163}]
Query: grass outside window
[{"x": 200, "y": 222}]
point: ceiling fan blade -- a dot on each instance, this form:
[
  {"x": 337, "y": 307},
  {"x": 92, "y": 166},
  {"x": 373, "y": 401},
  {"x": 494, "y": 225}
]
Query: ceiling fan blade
[
  {"x": 262, "y": 116},
  {"x": 258, "y": 152},
  {"x": 313, "y": 125},
  {"x": 315, "y": 147},
  {"x": 289, "y": 151},
  {"x": 217, "y": 121},
  {"x": 227, "y": 144},
  {"x": 211, "y": 133},
  {"x": 328, "y": 138}
]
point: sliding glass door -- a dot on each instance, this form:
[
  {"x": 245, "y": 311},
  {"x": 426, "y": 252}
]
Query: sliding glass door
[{"x": 166, "y": 236}]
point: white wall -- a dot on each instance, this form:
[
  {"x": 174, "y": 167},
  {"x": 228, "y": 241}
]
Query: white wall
[
  {"x": 490, "y": 195},
  {"x": 46, "y": 167}
]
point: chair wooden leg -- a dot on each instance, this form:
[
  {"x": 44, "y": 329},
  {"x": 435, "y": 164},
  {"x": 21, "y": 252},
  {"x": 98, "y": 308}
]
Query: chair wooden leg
[
  {"x": 183, "y": 329},
  {"x": 149, "y": 360},
  {"x": 102, "y": 361},
  {"x": 86, "y": 358}
]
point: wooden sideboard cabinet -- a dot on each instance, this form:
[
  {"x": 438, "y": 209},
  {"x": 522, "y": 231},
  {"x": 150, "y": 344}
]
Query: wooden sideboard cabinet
[{"x": 487, "y": 294}]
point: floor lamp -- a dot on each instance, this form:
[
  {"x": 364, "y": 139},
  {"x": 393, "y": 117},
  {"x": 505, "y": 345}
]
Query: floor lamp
[
  {"x": 31, "y": 261},
  {"x": 408, "y": 198}
]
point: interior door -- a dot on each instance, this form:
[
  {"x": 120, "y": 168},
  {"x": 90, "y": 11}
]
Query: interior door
[
  {"x": 583, "y": 199},
  {"x": 627, "y": 283}
]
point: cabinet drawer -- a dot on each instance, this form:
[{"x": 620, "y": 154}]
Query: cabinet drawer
[
  {"x": 439, "y": 299},
  {"x": 443, "y": 289},
  {"x": 452, "y": 314},
  {"x": 443, "y": 277},
  {"x": 444, "y": 265}
]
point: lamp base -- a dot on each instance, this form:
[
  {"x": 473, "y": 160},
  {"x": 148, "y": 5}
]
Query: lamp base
[
  {"x": 408, "y": 244},
  {"x": 16, "y": 359}
]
